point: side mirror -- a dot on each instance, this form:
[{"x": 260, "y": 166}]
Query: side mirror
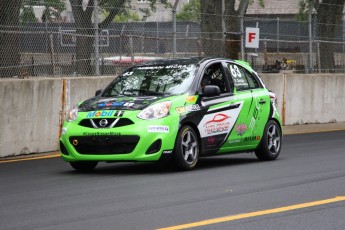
[
  {"x": 211, "y": 91},
  {"x": 98, "y": 92}
]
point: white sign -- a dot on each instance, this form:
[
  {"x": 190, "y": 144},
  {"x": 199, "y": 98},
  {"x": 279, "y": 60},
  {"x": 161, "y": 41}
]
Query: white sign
[{"x": 252, "y": 37}]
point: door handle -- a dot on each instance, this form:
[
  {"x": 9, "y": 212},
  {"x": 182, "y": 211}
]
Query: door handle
[{"x": 261, "y": 102}]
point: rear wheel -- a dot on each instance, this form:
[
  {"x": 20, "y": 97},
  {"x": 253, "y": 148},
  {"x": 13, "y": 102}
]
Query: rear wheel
[
  {"x": 84, "y": 166},
  {"x": 187, "y": 148},
  {"x": 270, "y": 145}
]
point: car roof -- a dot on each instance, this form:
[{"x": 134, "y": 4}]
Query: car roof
[
  {"x": 180, "y": 61},
  {"x": 191, "y": 61}
]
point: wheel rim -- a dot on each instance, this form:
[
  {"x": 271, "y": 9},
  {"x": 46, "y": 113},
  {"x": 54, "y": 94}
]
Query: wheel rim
[
  {"x": 189, "y": 147},
  {"x": 274, "y": 139}
]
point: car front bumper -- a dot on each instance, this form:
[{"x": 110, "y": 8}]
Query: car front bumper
[{"x": 142, "y": 141}]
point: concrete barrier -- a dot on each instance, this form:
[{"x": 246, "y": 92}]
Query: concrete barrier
[
  {"x": 32, "y": 110},
  {"x": 314, "y": 99},
  {"x": 308, "y": 98}
]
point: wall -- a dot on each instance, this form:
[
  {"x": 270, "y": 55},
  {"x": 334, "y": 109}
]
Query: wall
[
  {"x": 314, "y": 99},
  {"x": 308, "y": 98},
  {"x": 32, "y": 110}
]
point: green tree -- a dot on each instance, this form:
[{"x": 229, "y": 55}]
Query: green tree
[
  {"x": 190, "y": 12},
  {"x": 127, "y": 17},
  {"x": 52, "y": 11},
  {"x": 329, "y": 14},
  {"x": 27, "y": 14}
]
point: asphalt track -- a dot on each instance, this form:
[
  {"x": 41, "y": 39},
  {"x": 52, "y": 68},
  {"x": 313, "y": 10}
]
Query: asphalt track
[{"x": 303, "y": 189}]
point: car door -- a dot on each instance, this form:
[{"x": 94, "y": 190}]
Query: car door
[
  {"x": 251, "y": 121},
  {"x": 218, "y": 113}
]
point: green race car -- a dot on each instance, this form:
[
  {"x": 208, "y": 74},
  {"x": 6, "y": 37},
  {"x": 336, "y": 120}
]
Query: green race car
[{"x": 178, "y": 110}]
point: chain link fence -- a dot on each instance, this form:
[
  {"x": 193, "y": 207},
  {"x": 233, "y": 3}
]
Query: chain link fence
[{"x": 55, "y": 48}]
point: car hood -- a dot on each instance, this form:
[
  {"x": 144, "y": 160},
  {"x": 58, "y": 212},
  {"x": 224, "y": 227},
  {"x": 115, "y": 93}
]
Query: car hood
[{"x": 118, "y": 103}]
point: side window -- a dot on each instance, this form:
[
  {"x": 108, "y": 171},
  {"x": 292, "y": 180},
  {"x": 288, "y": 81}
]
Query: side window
[
  {"x": 253, "y": 83},
  {"x": 214, "y": 75},
  {"x": 239, "y": 77}
]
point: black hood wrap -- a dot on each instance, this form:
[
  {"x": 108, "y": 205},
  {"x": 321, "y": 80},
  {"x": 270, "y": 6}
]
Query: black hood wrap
[{"x": 120, "y": 103}]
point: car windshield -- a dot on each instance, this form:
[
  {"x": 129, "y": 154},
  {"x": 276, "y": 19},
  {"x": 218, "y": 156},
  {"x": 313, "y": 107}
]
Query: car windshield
[{"x": 152, "y": 80}]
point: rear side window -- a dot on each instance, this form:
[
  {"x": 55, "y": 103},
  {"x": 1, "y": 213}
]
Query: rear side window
[
  {"x": 243, "y": 80},
  {"x": 252, "y": 81}
]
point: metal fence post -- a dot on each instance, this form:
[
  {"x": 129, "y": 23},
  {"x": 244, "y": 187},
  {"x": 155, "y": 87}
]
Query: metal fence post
[
  {"x": 174, "y": 27},
  {"x": 131, "y": 48},
  {"x": 278, "y": 24},
  {"x": 157, "y": 37},
  {"x": 51, "y": 42},
  {"x": 318, "y": 56},
  {"x": 121, "y": 43},
  {"x": 310, "y": 38},
  {"x": 96, "y": 37},
  {"x": 242, "y": 37}
]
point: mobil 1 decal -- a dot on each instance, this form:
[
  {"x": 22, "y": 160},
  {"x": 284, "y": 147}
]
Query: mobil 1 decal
[{"x": 221, "y": 121}]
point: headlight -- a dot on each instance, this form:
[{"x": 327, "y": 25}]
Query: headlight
[
  {"x": 156, "y": 111},
  {"x": 72, "y": 114}
]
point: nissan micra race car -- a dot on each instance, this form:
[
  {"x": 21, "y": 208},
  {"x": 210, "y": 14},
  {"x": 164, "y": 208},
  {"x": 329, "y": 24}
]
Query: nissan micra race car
[{"x": 177, "y": 110}]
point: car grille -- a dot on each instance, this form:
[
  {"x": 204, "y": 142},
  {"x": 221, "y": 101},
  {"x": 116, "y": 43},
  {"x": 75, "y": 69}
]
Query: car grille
[
  {"x": 99, "y": 123},
  {"x": 107, "y": 145}
]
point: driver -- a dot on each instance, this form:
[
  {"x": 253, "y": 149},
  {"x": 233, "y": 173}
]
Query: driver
[{"x": 206, "y": 80}]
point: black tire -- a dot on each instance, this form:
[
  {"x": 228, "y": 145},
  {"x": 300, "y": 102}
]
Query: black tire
[
  {"x": 84, "y": 166},
  {"x": 270, "y": 145},
  {"x": 187, "y": 147}
]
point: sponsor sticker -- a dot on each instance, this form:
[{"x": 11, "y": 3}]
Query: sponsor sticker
[
  {"x": 175, "y": 66},
  {"x": 241, "y": 129},
  {"x": 167, "y": 152},
  {"x": 101, "y": 134},
  {"x": 104, "y": 113},
  {"x": 128, "y": 104},
  {"x": 191, "y": 99},
  {"x": 253, "y": 138},
  {"x": 234, "y": 141},
  {"x": 119, "y": 113},
  {"x": 158, "y": 129},
  {"x": 191, "y": 108},
  {"x": 219, "y": 123},
  {"x": 188, "y": 108},
  {"x": 111, "y": 104},
  {"x": 211, "y": 140},
  {"x": 63, "y": 131},
  {"x": 181, "y": 109}
]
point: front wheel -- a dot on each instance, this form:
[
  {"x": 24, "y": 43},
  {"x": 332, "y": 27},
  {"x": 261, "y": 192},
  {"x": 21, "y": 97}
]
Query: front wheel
[
  {"x": 270, "y": 145},
  {"x": 187, "y": 148},
  {"x": 84, "y": 166}
]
